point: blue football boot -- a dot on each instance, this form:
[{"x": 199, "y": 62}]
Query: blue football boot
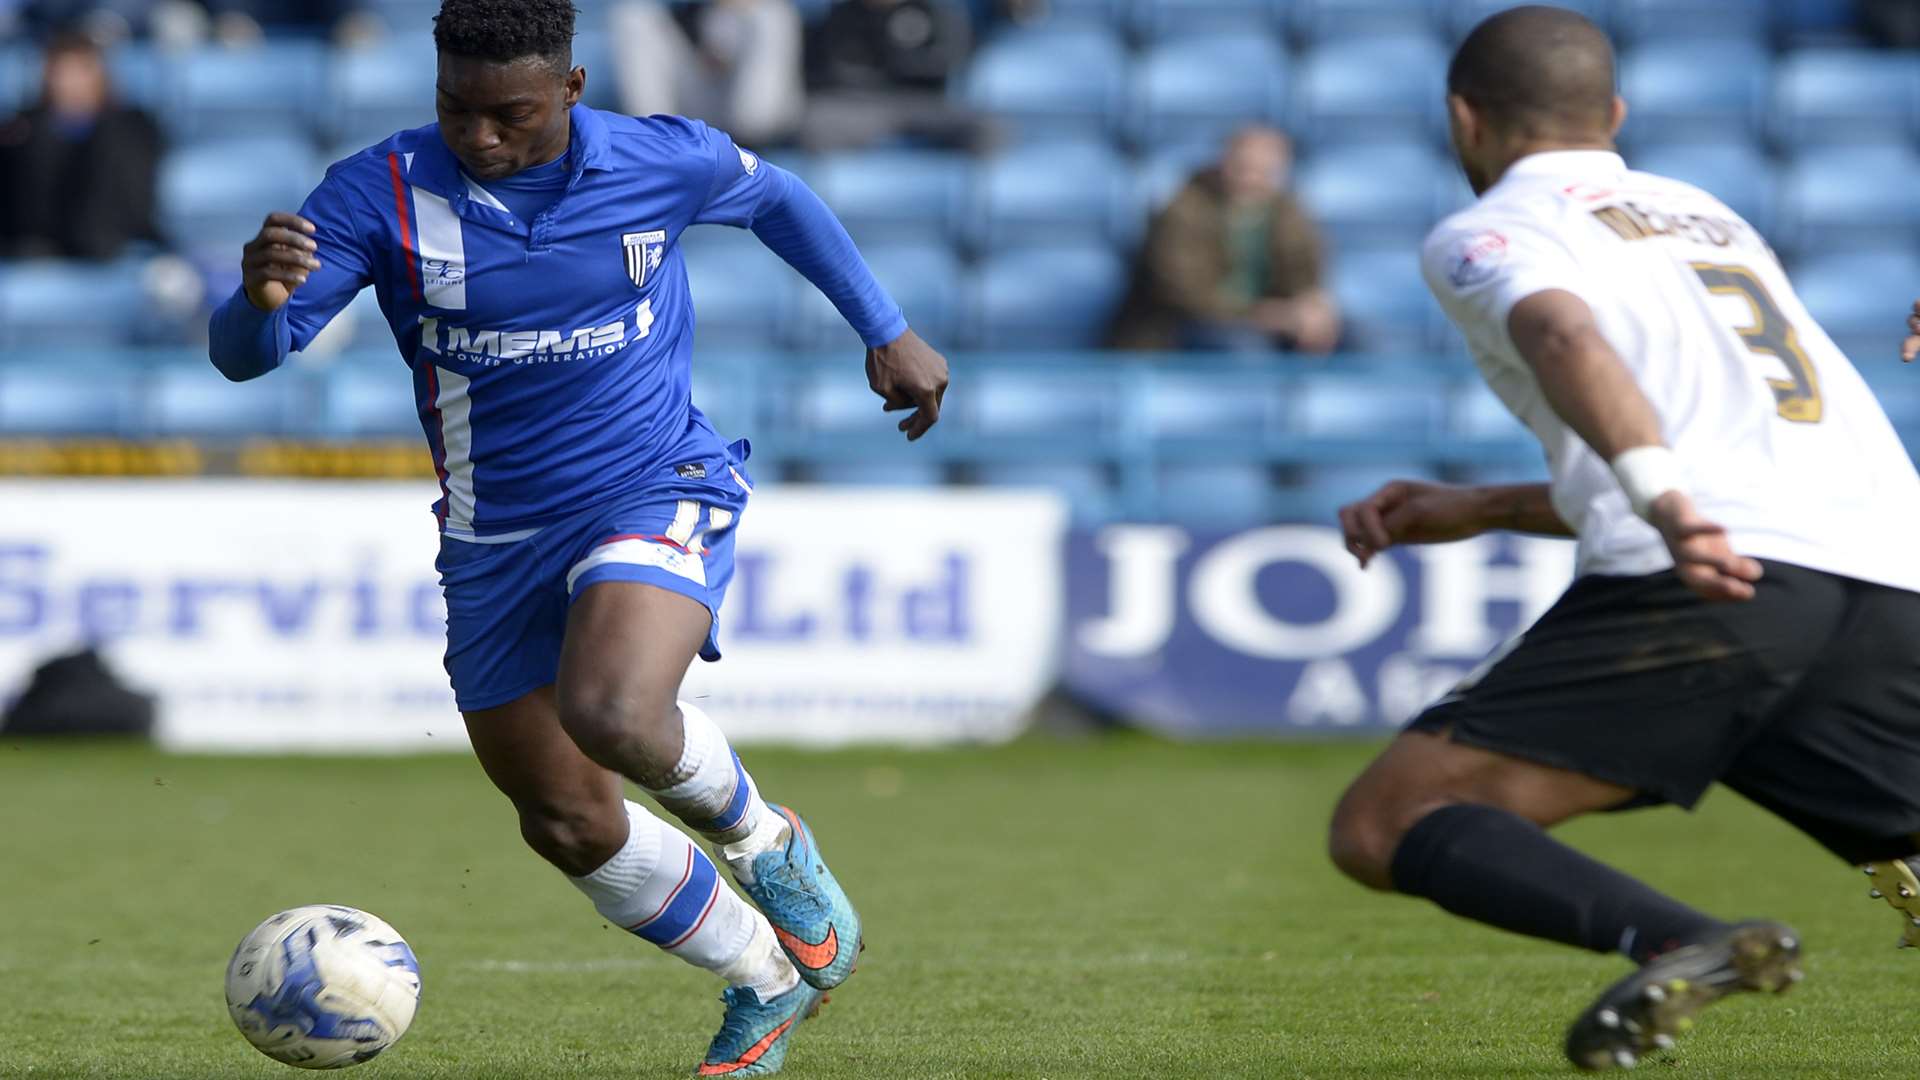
[
  {"x": 810, "y": 913},
  {"x": 754, "y": 1034}
]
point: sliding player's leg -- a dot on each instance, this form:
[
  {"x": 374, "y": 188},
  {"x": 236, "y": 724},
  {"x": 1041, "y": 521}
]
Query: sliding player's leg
[
  {"x": 1629, "y": 692},
  {"x": 1841, "y": 759},
  {"x": 628, "y": 645},
  {"x": 643, "y": 876}
]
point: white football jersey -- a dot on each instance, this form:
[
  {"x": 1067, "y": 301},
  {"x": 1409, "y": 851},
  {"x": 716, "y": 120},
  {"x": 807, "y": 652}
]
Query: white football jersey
[{"x": 1783, "y": 442}]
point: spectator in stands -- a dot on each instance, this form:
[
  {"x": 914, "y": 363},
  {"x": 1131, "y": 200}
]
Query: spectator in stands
[
  {"x": 1232, "y": 262},
  {"x": 733, "y": 63},
  {"x": 878, "y": 70},
  {"x": 77, "y": 169}
]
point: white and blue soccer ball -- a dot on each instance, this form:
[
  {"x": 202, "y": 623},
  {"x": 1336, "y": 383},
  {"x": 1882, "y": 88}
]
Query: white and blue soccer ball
[{"x": 323, "y": 986}]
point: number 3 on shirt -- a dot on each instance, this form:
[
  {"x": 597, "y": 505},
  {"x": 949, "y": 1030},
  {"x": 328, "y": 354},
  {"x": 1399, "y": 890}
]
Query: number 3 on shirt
[{"x": 1798, "y": 398}]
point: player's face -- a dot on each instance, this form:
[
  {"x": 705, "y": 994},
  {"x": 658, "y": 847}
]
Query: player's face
[{"x": 501, "y": 118}]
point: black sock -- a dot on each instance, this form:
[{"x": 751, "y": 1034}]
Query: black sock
[{"x": 1498, "y": 868}]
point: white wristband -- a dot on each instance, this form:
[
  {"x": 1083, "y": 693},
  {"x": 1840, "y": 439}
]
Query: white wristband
[{"x": 1648, "y": 472}]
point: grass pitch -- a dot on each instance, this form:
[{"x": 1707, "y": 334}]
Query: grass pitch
[{"x": 1107, "y": 908}]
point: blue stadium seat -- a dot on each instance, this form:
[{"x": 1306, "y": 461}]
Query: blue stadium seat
[
  {"x": 1897, "y": 388},
  {"x": 1846, "y": 95},
  {"x": 742, "y": 297},
  {"x": 1464, "y": 15},
  {"x": 74, "y": 397},
  {"x": 1385, "y": 302},
  {"x": 1634, "y": 20},
  {"x": 382, "y": 88},
  {"x": 923, "y": 278},
  {"x": 1482, "y": 430},
  {"x": 1051, "y": 77},
  {"x": 19, "y": 76},
  {"x": 1860, "y": 300},
  {"x": 406, "y": 16},
  {"x": 1840, "y": 197},
  {"x": 1050, "y": 193},
  {"x": 371, "y": 395},
  {"x": 1063, "y": 406},
  {"x": 274, "y": 88},
  {"x": 1216, "y": 495},
  {"x": 1369, "y": 88},
  {"x": 896, "y": 473},
  {"x": 825, "y": 401},
  {"x": 1320, "y": 20},
  {"x": 140, "y": 74},
  {"x": 1693, "y": 90},
  {"x": 1159, "y": 20},
  {"x": 1086, "y": 485},
  {"x": 1370, "y": 412},
  {"x": 1325, "y": 488},
  {"x": 214, "y": 195},
  {"x": 1736, "y": 172},
  {"x": 1381, "y": 195},
  {"x": 1161, "y": 175},
  {"x": 1213, "y": 406},
  {"x": 880, "y": 193},
  {"x": 195, "y": 400},
  {"x": 56, "y": 303},
  {"x": 1192, "y": 88},
  {"x": 1046, "y": 298}
]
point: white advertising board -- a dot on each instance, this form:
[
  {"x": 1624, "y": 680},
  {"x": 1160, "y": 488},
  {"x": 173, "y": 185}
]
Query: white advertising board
[{"x": 283, "y": 615}]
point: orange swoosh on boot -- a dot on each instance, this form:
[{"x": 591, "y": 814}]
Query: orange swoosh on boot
[
  {"x": 813, "y": 954},
  {"x": 754, "y": 1053}
]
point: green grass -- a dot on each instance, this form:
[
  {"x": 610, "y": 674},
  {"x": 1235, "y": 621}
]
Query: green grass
[{"x": 1110, "y": 908}]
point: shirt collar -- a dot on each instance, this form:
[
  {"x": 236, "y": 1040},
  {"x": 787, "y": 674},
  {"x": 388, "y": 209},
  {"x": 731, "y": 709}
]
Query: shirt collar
[
  {"x": 1567, "y": 163},
  {"x": 436, "y": 169}
]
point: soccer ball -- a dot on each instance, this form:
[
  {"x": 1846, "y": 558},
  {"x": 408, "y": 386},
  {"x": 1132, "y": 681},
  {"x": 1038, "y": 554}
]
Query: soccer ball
[{"x": 323, "y": 986}]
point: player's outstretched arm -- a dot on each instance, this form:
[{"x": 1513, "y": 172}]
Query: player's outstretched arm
[
  {"x": 1910, "y": 348},
  {"x": 908, "y": 374},
  {"x": 1591, "y": 389},
  {"x": 1417, "y": 512},
  {"x": 247, "y": 337}
]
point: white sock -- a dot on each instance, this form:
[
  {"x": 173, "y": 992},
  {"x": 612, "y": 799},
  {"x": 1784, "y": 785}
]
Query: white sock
[
  {"x": 709, "y": 789},
  {"x": 661, "y": 887},
  {"x": 771, "y": 833}
]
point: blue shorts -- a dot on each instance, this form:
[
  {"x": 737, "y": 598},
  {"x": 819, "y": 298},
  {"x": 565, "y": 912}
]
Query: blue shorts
[{"x": 507, "y": 602}]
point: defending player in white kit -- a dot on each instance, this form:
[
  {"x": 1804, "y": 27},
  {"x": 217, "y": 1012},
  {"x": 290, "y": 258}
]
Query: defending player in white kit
[{"x": 1747, "y": 598}]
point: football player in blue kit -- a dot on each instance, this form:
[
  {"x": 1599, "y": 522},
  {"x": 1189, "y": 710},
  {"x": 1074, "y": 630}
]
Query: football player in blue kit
[{"x": 525, "y": 251}]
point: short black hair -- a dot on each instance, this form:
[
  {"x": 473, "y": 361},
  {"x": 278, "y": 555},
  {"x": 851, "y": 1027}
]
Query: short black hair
[
  {"x": 507, "y": 30},
  {"x": 1538, "y": 71}
]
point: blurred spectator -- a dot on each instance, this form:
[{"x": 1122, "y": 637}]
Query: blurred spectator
[
  {"x": 1232, "y": 262},
  {"x": 77, "y": 169},
  {"x": 734, "y": 64},
  {"x": 878, "y": 70}
]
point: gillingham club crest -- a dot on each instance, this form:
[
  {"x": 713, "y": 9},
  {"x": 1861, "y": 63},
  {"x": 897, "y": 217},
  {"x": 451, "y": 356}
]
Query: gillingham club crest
[{"x": 644, "y": 250}]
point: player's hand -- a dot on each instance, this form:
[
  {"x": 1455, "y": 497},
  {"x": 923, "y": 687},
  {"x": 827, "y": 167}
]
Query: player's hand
[
  {"x": 1411, "y": 512},
  {"x": 277, "y": 260},
  {"x": 1701, "y": 554},
  {"x": 1910, "y": 348},
  {"x": 908, "y": 374}
]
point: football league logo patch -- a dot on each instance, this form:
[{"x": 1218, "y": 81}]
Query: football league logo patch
[
  {"x": 643, "y": 250},
  {"x": 1476, "y": 259}
]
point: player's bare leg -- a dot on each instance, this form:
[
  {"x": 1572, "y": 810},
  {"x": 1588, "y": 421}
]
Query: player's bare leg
[
  {"x": 644, "y": 876},
  {"x": 1464, "y": 827},
  {"x": 628, "y": 646}
]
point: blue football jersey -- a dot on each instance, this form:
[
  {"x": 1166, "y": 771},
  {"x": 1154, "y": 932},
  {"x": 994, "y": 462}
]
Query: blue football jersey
[{"x": 552, "y": 357}]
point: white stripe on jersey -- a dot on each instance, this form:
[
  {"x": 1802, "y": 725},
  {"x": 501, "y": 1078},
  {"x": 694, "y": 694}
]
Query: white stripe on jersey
[
  {"x": 634, "y": 552},
  {"x": 443, "y": 254},
  {"x": 456, "y": 436}
]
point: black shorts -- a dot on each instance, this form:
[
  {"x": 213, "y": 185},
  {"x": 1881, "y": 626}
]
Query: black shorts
[{"x": 1805, "y": 699}]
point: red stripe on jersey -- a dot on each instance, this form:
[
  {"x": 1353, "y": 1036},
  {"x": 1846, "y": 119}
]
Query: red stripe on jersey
[{"x": 406, "y": 231}]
